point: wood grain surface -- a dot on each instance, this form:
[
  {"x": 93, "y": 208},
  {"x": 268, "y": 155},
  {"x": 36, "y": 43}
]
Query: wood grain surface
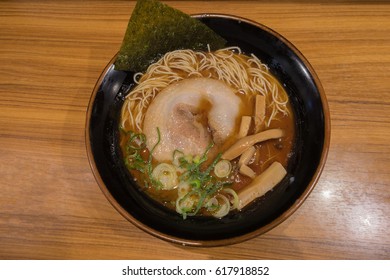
[{"x": 52, "y": 53}]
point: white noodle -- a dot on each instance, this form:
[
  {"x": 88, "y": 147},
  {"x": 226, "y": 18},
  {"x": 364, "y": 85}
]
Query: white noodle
[{"x": 248, "y": 75}]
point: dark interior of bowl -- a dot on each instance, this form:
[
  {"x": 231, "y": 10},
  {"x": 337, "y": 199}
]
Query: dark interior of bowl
[{"x": 304, "y": 93}]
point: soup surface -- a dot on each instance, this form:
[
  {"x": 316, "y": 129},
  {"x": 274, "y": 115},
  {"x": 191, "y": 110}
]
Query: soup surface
[{"x": 207, "y": 133}]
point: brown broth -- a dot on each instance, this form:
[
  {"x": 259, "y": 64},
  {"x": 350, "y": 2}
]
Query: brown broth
[{"x": 270, "y": 151}]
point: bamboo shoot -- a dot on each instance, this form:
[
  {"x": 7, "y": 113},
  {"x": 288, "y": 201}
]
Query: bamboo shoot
[
  {"x": 259, "y": 111},
  {"x": 246, "y": 156},
  {"x": 247, "y": 171},
  {"x": 244, "y": 143},
  {"x": 244, "y": 126},
  {"x": 261, "y": 184}
]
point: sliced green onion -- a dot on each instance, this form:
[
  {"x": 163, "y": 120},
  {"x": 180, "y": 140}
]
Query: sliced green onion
[
  {"x": 166, "y": 174},
  {"x": 234, "y": 200},
  {"x": 224, "y": 206},
  {"x": 212, "y": 204},
  {"x": 185, "y": 205},
  {"x": 196, "y": 159},
  {"x": 182, "y": 189},
  {"x": 136, "y": 141},
  {"x": 195, "y": 183},
  {"x": 213, "y": 164},
  {"x": 177, "y": 154},
  {"x": 149, "y": 163},
  {"x": 223, "y": 168}
]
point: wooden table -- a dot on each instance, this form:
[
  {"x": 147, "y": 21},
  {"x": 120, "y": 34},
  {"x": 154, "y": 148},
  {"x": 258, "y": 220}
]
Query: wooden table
[{"x": 51, "y": 54}]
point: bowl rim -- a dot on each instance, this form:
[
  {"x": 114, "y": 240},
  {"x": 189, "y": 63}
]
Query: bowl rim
[{"x": 237, "y": 239}]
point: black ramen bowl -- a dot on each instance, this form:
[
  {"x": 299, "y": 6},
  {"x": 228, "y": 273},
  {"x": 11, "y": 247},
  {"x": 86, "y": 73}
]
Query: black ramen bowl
[{"x": 310, "y": 148}]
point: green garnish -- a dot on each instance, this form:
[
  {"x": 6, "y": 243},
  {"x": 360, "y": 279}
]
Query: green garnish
[
  {"x": 134, "y": 145},
  {"x": 203, "y": 185},
  {"x": 133, "y": 159},
  {"x": 155, "y": 28},
  {"x": 154, "y": 182},
  {"x": 202, "y": 182}
]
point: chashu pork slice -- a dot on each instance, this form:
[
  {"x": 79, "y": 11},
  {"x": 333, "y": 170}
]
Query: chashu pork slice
[{"x": 191, "y": 114}]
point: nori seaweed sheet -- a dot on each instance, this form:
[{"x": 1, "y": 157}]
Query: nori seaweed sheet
[{"x": 154, "y": 29}]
